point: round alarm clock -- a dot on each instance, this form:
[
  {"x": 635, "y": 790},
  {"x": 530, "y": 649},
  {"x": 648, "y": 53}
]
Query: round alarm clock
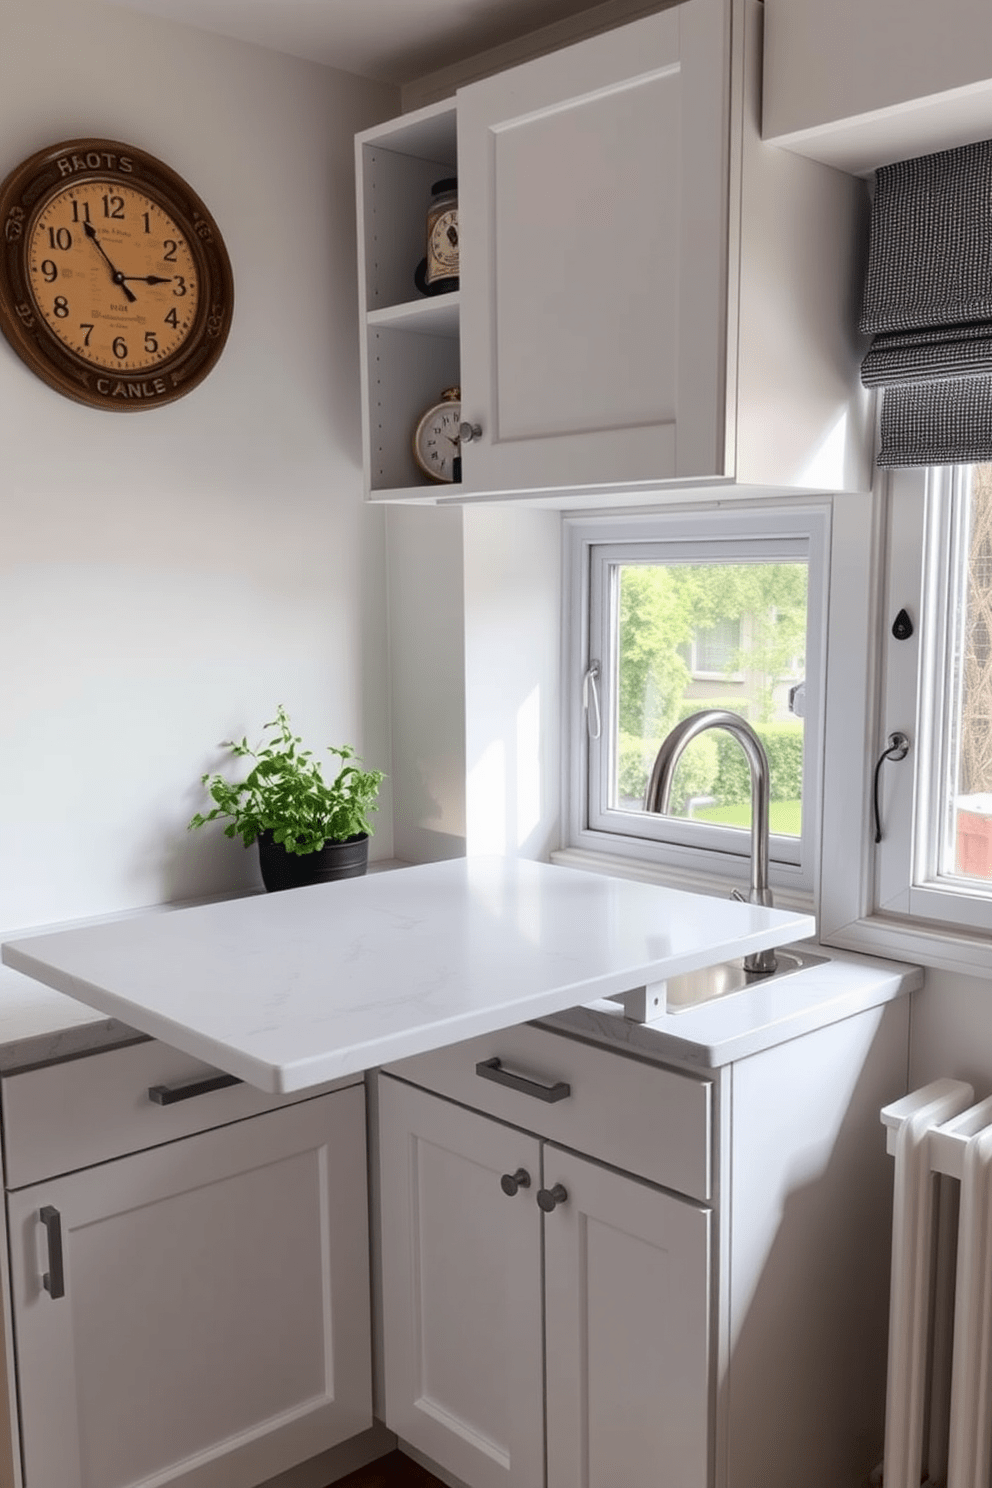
[{"x": 436, "y": 439}]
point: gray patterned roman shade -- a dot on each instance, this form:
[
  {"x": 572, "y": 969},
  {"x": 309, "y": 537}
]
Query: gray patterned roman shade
[{"x": 928, "y": 305}]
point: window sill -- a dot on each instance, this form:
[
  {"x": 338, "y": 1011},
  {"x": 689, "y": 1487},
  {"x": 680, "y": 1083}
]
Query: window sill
[
  {"x": 925, "y": 943},
  {"x": 672, "y": 878}
]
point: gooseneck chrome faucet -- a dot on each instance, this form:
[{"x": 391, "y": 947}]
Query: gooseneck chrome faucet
[{"x": 659, "y": 791}]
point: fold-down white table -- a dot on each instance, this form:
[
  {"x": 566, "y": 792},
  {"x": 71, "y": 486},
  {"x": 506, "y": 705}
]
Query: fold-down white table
[{"x": 292, "y": 989}]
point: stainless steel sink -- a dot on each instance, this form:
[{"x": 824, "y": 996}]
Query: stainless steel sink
[{"x": 696, "y": 987}]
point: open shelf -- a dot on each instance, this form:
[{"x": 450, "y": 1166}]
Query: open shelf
[
  {"x": 410, "y": 342},
  {"x": 438, "y": 316}
]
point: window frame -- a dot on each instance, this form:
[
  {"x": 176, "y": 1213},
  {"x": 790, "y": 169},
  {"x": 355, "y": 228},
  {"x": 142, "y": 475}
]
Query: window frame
[
  {"x": 671, "y": 850},
  {"x": 883, "y": 898},
  {"x": 908, "y": 877}
]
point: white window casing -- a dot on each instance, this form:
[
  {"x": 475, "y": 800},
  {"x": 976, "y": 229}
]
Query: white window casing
[
  {"x": 691, "y": 853},
  {"x": 892, "y": 897}
]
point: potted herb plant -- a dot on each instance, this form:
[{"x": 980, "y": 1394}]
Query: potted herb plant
[{"x": 308, "y": 829}]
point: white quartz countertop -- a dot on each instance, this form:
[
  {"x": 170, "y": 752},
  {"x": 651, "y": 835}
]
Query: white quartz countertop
[{"x": 292, "y": 989}]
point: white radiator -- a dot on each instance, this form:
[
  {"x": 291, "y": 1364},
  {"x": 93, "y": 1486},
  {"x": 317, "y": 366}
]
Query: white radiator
[{"x": 938, "y": 1421}]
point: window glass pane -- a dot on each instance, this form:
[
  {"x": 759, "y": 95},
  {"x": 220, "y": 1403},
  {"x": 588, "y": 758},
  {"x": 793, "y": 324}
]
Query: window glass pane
[
  {"x": 715, "y": 648},
  {"x": 710, "y": 635},
  {"x": 966, "y": 849}
]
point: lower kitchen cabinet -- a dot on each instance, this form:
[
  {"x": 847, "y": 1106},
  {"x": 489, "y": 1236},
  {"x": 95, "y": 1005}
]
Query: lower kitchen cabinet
[
  {"x": 627, "y": 1295},
  {"x": 194, "y": 1313},
  {"x": 600, "y": 1271},
  {"x": 461, "y": 1279},
  {"x": 494, "y": 1242}
]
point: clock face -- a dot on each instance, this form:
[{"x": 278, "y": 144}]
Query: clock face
[
  {"x": 442, "y": 248},
  {"x": 113, "y": 275},
  {"x": 437, "y": 442},
  {"x": 115, "y": 286}
]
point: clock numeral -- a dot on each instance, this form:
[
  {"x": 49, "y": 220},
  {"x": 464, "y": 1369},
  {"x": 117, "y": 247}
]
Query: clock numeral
[
  {"x": 60, "y": 237},
  {"x": 145, "y": 217},
  {"x": 61, "y": 307},
  {"x": 49, "y": 270},
  {"x": 85, "y": 210},
  {"x": 169, "y": 256},
  {"x": 89, "y": 331},
  {"x": 181, "y": 291},
  {"x": 172, "y": 319},
  {"x": 119, "y": 348},
  {"x": 151, "y": 342},
  {"x": 113, "y": 206}
]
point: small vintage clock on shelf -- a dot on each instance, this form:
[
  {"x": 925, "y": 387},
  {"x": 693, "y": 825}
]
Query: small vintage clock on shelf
[
  {"x": 438, "y": 272},
  {"x": 115, "y": 285},
  {"x": 437, "y": 440}
]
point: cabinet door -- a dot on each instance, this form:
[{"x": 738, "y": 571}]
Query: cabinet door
[
  {"x": 593, "y": 206},
  {"x": 216, "y": 1305},
  {"x": 627, "y": 1277},
  {"x": 461, "y": 1286}
]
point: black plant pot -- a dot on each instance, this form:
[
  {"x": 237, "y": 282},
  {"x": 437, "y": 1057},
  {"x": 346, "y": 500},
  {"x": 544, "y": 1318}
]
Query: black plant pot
[{"x": 283, "y": 870}]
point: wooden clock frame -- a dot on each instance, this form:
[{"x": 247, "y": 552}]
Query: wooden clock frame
[{"x": 26, "y": 192}]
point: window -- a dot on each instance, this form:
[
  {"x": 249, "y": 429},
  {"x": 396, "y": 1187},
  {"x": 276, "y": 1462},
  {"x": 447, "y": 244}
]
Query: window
[
  {"x": 679, "y": 612},
  {"x": 963, "y": 826},
  {"x": 714, "y": 649},
  {"x": 935, "y": 857}
]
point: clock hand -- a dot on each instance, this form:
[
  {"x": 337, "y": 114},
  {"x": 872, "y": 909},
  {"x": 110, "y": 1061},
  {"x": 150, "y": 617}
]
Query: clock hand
[
  {"x": 115, "y": 274},
  {"x": 146, "y": 278}
]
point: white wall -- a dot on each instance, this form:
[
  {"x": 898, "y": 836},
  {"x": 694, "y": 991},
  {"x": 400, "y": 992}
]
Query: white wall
[
  {"x": 427, "y": 668},
  {"x": 951, "y": 1031},
  {"x": 168, "y": 577},
  {"x": 475, "y": 615},
  {"x": 512, "y": 681}
]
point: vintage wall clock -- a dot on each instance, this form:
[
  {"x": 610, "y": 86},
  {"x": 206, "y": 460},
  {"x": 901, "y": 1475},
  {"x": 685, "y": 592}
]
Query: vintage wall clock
[{"x": 115, "y": 285}]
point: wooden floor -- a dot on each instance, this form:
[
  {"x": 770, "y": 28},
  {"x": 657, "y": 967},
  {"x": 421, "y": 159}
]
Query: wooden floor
[{"x": 394, "y": 1471}]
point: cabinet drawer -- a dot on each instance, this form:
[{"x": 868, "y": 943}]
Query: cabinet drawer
[
  {"x": 640, "y": 1117},
  {"x": 82, "y": 1111}
]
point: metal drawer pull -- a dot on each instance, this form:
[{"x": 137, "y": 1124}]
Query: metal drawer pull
[
  {"x": 492, "y": 1069},
  {"x": 550, "y": 1198},
  {"x": 168, "y": 1095},
  {"x": 54, "y": 1278},
  {"x": 510, "y": 1182}
]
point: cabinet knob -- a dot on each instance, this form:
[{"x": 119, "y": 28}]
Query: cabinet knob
[
  {"x": 550, "y": 1198},
  {"x": 468, "y": 432},
  {"x": 510, "y": 1182}
]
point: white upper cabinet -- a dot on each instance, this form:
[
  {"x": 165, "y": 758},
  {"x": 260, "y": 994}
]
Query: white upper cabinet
[
  {"x": 648, "y": 298},
  {"x": 593, "y": 208},
  {"x": 860, "y": 86}
]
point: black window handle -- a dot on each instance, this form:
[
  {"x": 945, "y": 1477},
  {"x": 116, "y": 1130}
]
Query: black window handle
[
  {"x": 492, "y": 1069},
  {"x": 54, "y": 1278},
  {"x": 168, "y": 1095}
]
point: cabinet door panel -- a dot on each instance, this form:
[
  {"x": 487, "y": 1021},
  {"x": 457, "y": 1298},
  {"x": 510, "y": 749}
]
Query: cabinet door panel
[
  {"x": 593, "y": 212},
  {"x": 627, "y": 1276},
  {"x": 216, "y": 1306},
  {"x": 461, "y": 1289}
]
